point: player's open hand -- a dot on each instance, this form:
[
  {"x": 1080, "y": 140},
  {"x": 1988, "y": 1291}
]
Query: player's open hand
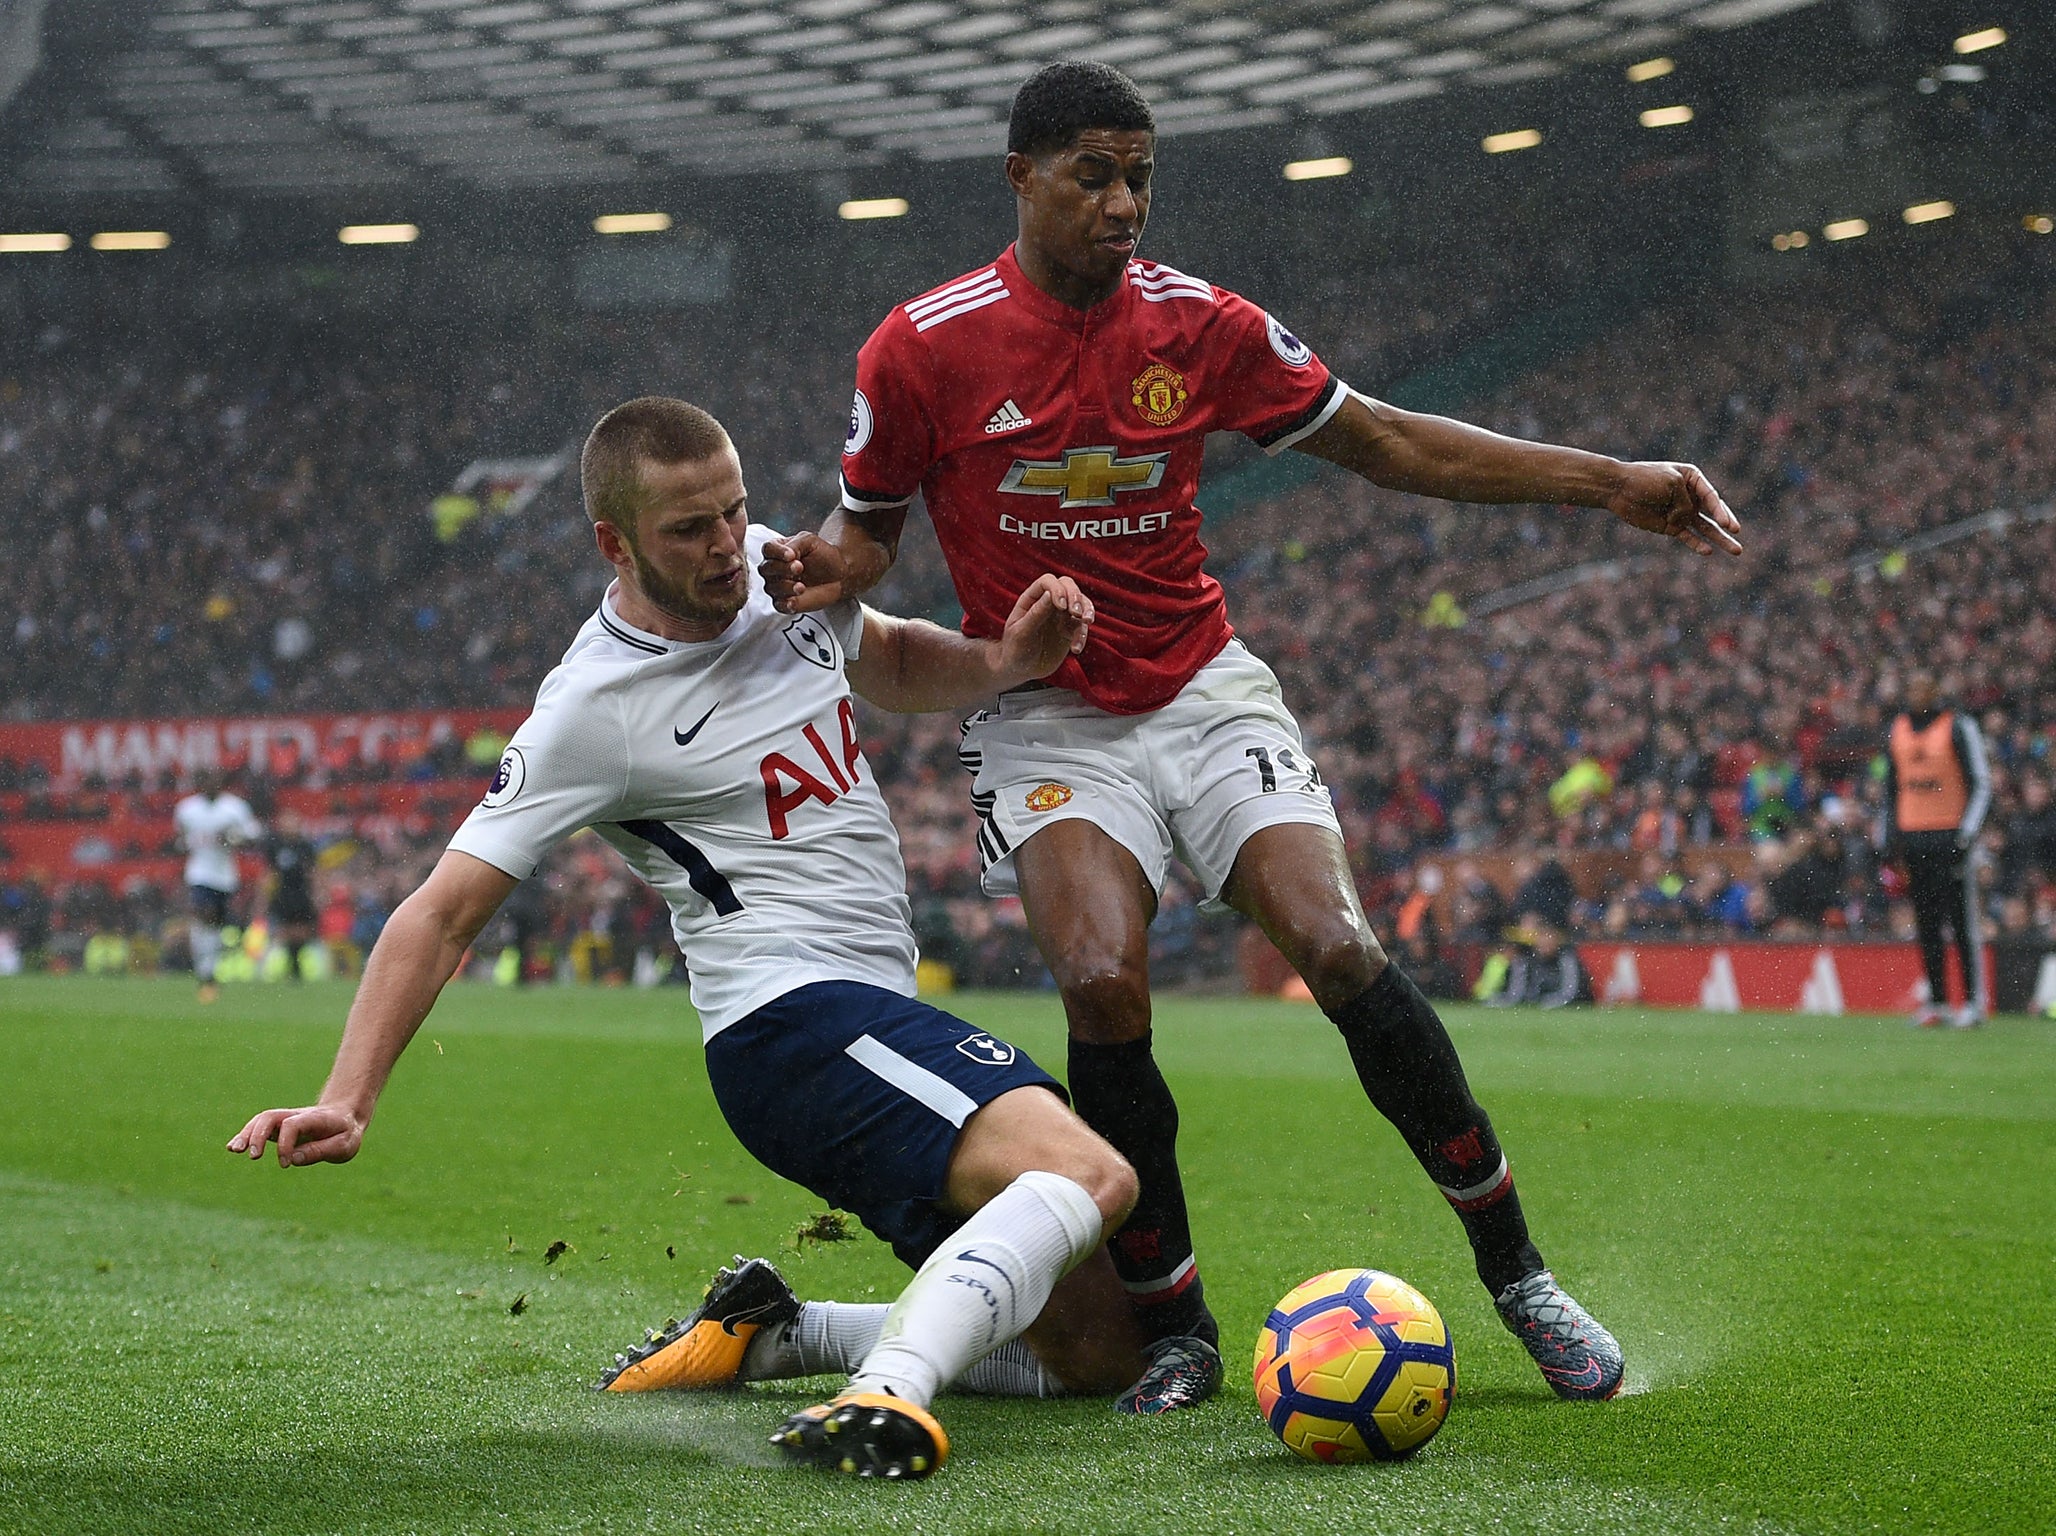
[
  {"x": 1050, "y": 622},
  {"x": 318, "y": 1133},
  {"x": 803, "y": 573},
  {"x": 1677, "y": 501}
]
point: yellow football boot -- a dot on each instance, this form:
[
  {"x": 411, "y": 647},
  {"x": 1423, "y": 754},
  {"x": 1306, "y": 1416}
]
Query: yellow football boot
[
  {"x": 866, "y": 1434},
  {"x": 706, "y": 1349}
]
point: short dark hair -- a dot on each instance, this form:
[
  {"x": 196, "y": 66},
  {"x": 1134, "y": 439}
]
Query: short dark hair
[
  {"x": 1060, "y": 101},
  {"x": 652, "y": 427}
]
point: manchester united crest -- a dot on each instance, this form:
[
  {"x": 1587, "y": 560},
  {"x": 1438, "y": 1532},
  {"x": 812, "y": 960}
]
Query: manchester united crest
[
  {"x": 1047, "y": 797},
  {"x": 1159, "y": 394}
]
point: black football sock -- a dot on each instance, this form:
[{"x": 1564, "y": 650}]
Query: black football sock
[
  {"x": 293, "y": 962},
  {"x": 1120, "y": 1093},
  {"x": 1408, "y": 1066}
]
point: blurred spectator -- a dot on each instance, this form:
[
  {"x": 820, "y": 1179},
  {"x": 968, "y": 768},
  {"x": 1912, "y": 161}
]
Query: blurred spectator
[
  {"x": 251, "y": 531},
  {"x": 1544, "y": 888},
  {"x": 1806, "y": 887},
  {"x": 1544, "y": 970}
]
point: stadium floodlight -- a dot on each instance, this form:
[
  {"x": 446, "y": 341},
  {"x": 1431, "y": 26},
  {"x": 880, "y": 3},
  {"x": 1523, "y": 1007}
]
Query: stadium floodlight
[
  {"x": 1650, "y": 69},
  {"x": 1847, "y": 229},
  {"x": 26, "y": 245},
  {"x": 1518, "y": 138},
  {"x": 631, "y": 223},
  {"x": 378, "y": 234},
  {"x": 1667, "y": 117},
  {"x": 1977, "y": 42},
  {"x": 2034, "y": 224},
  {"x": 873, "y": 208},
  {"x": 1927, "y": 213},
  {"x": 131, "y": 240},
  {"x": 1315, "y": 170}
]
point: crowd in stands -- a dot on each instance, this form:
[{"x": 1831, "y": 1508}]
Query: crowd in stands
[
  {"x": 1676, "y": 705},
  {"x": 246, "y": 529}
]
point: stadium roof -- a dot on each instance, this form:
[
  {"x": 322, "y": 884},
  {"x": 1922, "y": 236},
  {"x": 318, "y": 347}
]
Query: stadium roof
[{"x": 273, "y": 96}]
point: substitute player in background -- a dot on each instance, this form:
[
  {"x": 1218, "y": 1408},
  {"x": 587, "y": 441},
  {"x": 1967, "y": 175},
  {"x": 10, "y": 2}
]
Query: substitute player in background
[
  {"x": 712, "y": 741},
  {"x": 1937, "y": 791},
  {"x": 1051, "y": 407},
  {"x": 211, "y": 823}
]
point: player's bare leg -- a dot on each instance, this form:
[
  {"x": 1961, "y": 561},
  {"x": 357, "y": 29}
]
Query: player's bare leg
[
  {"x": 1086, "y": 1336},
  {"x": 1294, "y": 882},
  {"x": 1039, "y": 1191},
  {"x": 1089, "y": 907},
  {"x": 1087, "y": 1340}
]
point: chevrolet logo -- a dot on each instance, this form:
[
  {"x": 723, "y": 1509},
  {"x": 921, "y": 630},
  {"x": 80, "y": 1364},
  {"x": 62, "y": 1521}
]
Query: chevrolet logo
[{"x": 1086, "y": 477}]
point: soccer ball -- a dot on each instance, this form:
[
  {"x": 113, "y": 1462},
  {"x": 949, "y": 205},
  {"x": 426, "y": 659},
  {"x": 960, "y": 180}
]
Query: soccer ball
[{"x": 1354, "y": 1365}]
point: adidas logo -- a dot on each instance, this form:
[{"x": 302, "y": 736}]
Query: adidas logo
[{"x": 1007, "y": 418}]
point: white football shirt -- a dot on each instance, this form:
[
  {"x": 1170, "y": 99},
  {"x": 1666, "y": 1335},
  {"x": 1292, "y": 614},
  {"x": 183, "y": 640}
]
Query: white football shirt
[
  {"x": 205, "y": 825},
  {"x": 727, "y": 774}
]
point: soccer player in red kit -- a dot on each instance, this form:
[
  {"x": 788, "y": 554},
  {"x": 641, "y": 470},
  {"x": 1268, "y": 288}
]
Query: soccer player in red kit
[{"x": 1051, "y": 409}]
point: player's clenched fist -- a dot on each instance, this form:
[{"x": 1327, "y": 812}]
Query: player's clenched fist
[
  {"x": 803, "y": 573},
  {"x": 1050, "y": 621},
  {"x": 318, "y": 1133}
]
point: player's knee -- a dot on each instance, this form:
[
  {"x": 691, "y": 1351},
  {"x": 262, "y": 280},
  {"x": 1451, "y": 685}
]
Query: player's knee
[
  {"x": 1112, "y": 1184},
  {"x": 1088, "y": 1160},
  {"x": 1337, "y": 959},
  {"x": 1106, "y": 997},
  {"x": 1109, "y": 1181}
]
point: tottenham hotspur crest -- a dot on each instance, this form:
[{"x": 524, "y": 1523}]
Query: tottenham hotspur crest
[
  {"x": 986, "y": 1051},
  {"x": 810, "y": 637}
]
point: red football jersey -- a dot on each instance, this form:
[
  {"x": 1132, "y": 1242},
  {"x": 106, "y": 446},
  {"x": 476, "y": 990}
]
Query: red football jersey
[{"x": 1046, "y": 438}]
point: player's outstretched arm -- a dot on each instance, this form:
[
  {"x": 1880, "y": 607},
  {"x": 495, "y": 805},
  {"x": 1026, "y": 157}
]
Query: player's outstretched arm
[
  {"x": 910, "y": 666},
  {"x": 416, "y": 954},
  {"x": 847, "y": 558},
  {"x": 1435, "y": 456}
]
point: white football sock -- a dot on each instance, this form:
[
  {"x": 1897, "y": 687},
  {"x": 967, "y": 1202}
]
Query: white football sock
[
  {"x": 206, "y": 942},
  {"x": 832, "y": 1338},
  {"x": 1012, "y": 1370},
  {"x": 827, "y": 1338},
  {"x": 983, "y": 1286}
]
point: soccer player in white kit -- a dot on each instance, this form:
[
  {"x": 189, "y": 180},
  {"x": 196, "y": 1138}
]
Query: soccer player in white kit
[
  {"x": 210, "y": 823},
  {"x": 712, "y": 741}
]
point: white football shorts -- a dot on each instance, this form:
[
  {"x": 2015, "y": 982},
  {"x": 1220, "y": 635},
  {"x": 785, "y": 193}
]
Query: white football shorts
[{"x": 1195, "y": 779}]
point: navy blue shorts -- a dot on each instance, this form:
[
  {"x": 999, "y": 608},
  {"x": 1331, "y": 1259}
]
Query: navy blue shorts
[
  {"x": 858, "y": 1094},
  {"x": 209, "y": 905}
]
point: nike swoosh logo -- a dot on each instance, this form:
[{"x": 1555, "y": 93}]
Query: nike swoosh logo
[
  {"x": 684, "y": 738},
  {"x": 1586, "y": 1378}
]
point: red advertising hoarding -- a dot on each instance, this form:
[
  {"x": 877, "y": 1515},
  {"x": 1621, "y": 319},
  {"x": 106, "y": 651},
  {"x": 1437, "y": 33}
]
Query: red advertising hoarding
[
  {"x": 1777, "y": 978},
  {"x": 73, "y": 751}
]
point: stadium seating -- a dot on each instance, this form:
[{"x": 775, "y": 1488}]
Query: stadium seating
[{"x": 1694, "y": 740}]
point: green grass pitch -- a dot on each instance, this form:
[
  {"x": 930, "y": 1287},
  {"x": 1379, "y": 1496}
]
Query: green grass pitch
[{"x": 1829, "y": 1246}]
